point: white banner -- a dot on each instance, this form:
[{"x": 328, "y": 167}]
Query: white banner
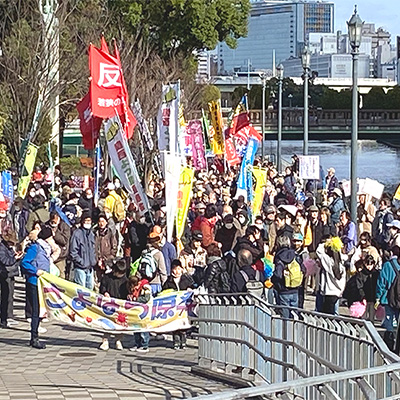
[
  {"x": 371, "y": 187},
  {"x": 124, "y": 164},
  {"x": 309, "y": 167},
  {"x": 172, "y": 174},
  {"x": 168, "y": 119},
  {"x": 142, "y": 124}
]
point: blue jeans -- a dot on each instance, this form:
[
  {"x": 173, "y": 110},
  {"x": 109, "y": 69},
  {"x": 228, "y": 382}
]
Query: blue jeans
[
  {"x": 142, "y": 339},
  {"x": 84, "y": 277},
  {"x": 155, "y": 289},
  {"x": 391, "y": 318},
  {"x": 288, "y": 300}
]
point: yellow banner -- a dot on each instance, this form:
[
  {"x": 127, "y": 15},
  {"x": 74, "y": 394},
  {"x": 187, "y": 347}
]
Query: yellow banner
[
  {"x": 397, "y": 194},
  {"x": 27, "y": 171},
  {"x": 260, "y": 176},
  {"x": 184, "y": 193},
  {"x": 217, "y": 141},
  {"x": 81, "y": 307}
]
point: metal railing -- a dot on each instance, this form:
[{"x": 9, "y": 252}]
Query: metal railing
[{"x": 243, "y": 333}]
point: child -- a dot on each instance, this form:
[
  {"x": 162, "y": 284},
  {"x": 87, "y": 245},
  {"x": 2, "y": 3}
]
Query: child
[
  {"x": 114, "y": 284},
  {"x": 178, "y": 281},
  {"x": 140, "y": 292}
]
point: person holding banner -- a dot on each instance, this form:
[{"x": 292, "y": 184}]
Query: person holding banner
[{"x": 34, "y": 263}]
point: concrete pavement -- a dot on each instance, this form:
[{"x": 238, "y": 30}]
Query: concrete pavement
[{"x": 73, "y": 368}]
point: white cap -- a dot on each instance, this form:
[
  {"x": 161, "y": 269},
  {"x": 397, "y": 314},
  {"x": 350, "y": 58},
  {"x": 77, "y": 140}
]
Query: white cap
[{"x": 111, "y": 186}]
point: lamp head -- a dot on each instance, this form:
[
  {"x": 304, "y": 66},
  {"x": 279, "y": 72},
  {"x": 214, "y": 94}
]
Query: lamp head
[
  {"x": 355, "y": 29},
  {"x": 305, "y": 58},
  {"x": 279, "y": 70}
]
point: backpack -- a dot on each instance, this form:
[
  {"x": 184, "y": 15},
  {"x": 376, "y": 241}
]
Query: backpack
[
  {"x": 253, "y": 286},
  {"x": 147, "y": 265},
  {"x": 119, "y": 209},
  {"x": 224, "y": 278},
  {"x": 293, "y": 275},
  {"x": 394, "y": 291}
]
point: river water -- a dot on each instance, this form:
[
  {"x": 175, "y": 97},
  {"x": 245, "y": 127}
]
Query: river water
[{"x": 375, "y": 161}]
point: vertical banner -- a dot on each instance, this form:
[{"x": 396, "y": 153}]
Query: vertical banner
[
  {"x": 217, "y": 141},
  {"x": 97, "y": 173},
  {"x": 206, "y": 130},
  {"x": 142, "y": 124},
  {"x": 231, "y": 154},
  {"x": 7, "y": 187},
  {"x": 167, "y": 119},
  {"x": 184, "y": 192},
  {"x": 195, "y": 133},
  {"x": 260, "y": 175},
  {"x": 29, "y": 163},
  {"x": 245, "y": 181},
  {"x": 124, "y": 164},
  {"x": 172, "y": 174}
]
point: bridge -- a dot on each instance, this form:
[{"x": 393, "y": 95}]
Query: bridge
[{"x": 382, "y": 125}]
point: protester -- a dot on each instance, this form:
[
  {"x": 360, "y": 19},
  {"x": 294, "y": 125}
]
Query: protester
[
  {"x": 347, "y": 232},
  {"x": 139, "y": 291},
  {"x": 115, "y": 285},
  {"x": 178, "y": 281},
  {"x": 380, "y": 227},
  {"x": 216, "y": 278},
  {"x": 83, "y": 252},
  {"x": 337, "y": 205}
]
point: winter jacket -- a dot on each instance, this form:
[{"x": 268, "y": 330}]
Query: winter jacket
[
  {"x": 138, "y": 238},
  {"x": 82, "y": 249},
  {"x": 35, "y": 258},
  {"x": 380, "y": 230},
  {"x": 361, "y": 286},
  {"x": 227, "y": 237},
  {"x": 161, "y": 275},
  {"x": 20, "y": 219},
  {"x": 238, "y": 284},
  {"x": 183, "y": 283},
  {"x": 62, "y": 236},
  {"x": 216, "y": 278},
  {"x": 116, "y": 287},
  {"x": 336, "y": 209},
  {"x": 86, "y": 204},
  {"x": 348, "y": 235},
  {"x": 106, "y": 245},
  {"x": 207, "y": 229},
  {"x": 331, "y": 184},
  {"x": 169, "y": 253},
  {"x": 282, "y": 258},
  {"x": 385, "y": 280},
  {"x": 331, "y": 285},
  {"x": 8, "y": 263},
  {"x": 40, "y": 214},
  {"x": 256, "y": 248}
]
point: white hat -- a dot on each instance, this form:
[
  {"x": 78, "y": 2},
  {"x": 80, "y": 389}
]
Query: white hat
[
  {"x": 331, "y": 170},
  {"x": 111, "y": 186},
  {"x": 394, "y": 224}
]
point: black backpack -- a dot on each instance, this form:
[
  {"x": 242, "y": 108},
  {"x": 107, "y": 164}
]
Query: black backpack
[{"x": 394, "y": 291}]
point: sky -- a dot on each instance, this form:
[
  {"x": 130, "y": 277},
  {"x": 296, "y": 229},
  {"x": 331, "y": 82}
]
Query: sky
[{"x": 384, "y": 13}]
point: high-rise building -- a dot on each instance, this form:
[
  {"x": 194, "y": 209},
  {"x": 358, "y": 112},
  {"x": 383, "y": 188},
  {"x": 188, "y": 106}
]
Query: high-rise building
[{"x": 277, "y": 30}]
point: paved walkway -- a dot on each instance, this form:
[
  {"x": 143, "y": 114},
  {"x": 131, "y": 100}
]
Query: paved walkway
[{"x": 72, "y": 367}]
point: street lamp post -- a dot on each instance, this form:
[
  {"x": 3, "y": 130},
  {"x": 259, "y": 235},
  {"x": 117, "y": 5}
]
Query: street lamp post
[
  {"x": 355, "y": 28},
  {"x": 279, "y": 69},
  {"x": 305, "y": 59},
  {"x": 264, "y": 82}
]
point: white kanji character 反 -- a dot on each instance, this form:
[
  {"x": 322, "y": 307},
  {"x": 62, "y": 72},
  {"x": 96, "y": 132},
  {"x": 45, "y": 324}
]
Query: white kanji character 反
[{"x": 109, "y": 76}]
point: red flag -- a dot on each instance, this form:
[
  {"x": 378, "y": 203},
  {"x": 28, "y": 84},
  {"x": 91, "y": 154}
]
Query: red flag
[
  {"x": 106, "y": 85},
  {"x": 104, "y": 46},
  {"x": 241, "y": 117},
  {"x": 128, "y": 119},
  {"x": 231, "y": 154},
  {"x": 89, "y": 124},
  {"x": 245, "y": 133}
]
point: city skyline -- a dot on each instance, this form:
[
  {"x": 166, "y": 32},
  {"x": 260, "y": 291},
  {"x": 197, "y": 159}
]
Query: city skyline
[{"x": 386, "y": 15}]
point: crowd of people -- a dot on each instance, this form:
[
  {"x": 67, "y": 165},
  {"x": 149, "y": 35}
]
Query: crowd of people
[{"x": 302, "y": 242}]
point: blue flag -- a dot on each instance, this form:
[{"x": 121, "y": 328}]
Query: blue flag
[{"x": 245, "y": 181}]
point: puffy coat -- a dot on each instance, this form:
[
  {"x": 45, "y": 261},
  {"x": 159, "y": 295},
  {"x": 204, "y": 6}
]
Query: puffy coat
[
  {"x": 216, "y": 278},
  {"x": 7, "y": 261},
  {"x": 35, "y": 258},
  {"x": 82, "y": 248},
  {"x": 185, "y": 282}
]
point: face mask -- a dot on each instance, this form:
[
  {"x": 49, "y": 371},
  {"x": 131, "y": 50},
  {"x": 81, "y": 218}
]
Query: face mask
[
  {"x": 228, "y": 226},
  {"x": 17, "y": 208},
  {"x": 3, "y": 215},
  {"x": 32, "y": 194},
  {"x": 117, "y": 185},
  {"x": 259, "y": 226},
  {"x": 87, "y": 226},
  {"x": 89, "y": 195},
  {"x": 53, "y": 225}
]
